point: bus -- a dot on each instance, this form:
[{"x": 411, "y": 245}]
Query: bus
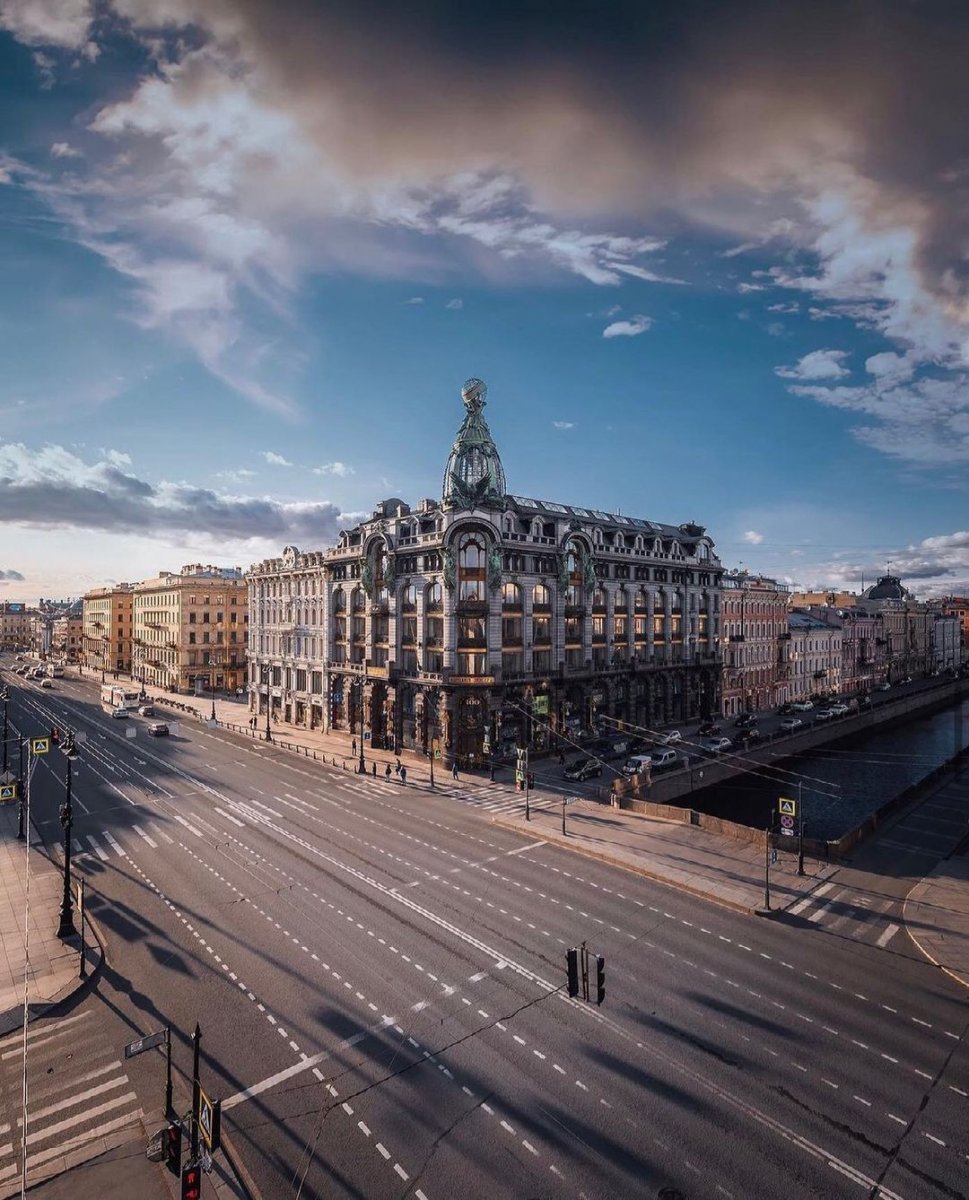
[{"x": 116, "y": 695}]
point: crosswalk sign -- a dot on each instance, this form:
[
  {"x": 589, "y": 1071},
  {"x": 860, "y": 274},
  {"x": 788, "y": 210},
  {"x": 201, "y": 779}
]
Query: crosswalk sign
[
  {"x": 40, "y": 745},
  {"x": 787, "y": 808},
  {"x": 8, "y": 791}
]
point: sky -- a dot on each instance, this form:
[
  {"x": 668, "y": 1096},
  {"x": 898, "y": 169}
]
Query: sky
[{"x": 711, "y": 261}]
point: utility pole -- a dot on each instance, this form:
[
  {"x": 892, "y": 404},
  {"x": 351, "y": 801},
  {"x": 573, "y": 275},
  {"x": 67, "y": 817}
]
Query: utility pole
[
  {"x": 4, "y": 696},
  {"x": 767, "y": 849},
  {"x": 269, "y": 702},
  {"x": 800, "y": 832},
  {"x": 361, "y": 764},
  {"x": 21, "y": 834},
  {"x": 196, "y": 1089}
]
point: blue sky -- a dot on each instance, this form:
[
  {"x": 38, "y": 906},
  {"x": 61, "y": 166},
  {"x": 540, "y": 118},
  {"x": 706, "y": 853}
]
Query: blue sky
[{"x": 711, "y": 271}]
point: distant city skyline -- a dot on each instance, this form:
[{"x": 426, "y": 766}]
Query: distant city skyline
[{"x": 711, "y": 270}]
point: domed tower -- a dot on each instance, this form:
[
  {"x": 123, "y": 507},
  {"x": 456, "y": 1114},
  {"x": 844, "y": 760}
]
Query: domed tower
[{"x": 473, "y": 477}]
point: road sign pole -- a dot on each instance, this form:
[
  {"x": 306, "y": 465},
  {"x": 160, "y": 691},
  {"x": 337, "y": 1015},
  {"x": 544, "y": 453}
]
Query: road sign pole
[
  {"x": 564, "y": 830},
  {"x": 196, "y": 1042},
  {"x": 800, "y": 833},
  {"x": 80, "y": 921},
  {"x": 168, "y": 1077},
  {"x": 767, "y": 867},
  {"x": 528, "y": 810}
]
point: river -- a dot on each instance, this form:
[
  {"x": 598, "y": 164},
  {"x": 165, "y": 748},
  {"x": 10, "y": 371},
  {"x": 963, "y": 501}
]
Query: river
[{"x": 844, "y": 782}]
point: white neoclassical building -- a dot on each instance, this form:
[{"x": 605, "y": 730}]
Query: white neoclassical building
[{"x": 486, "y": 619}]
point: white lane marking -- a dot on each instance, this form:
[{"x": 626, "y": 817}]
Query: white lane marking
[
  {"x": 229, "y": 817},
  {"x": 522, "y": 849},
  {"x": 819, "y": 913},
  {"x": 116, "y": 846},
  {"x": 97, "y": 848},
  {"x": 887, "y": 936},
  {"x": 188, "y": 825},
  {"x": 50, "y": 1130},
  {"x": 141, "y": 833},
  {"x": 156, "y": 828}
]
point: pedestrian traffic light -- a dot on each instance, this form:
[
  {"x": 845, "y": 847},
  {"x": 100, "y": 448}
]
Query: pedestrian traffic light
[
  {"x": 572, "y": 967},
  {"x": 173, "y": 1148},
  {"x": 600, "y": 979},
  {"x": 192, "y": 1182}
]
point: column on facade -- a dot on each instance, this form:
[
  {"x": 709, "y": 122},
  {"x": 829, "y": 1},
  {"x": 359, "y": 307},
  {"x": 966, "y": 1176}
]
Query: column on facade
[{"x": 528, "y": 596}]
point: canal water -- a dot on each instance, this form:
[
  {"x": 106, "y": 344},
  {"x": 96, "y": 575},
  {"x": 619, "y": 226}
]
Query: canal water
[{"x": 844, "y": 782}]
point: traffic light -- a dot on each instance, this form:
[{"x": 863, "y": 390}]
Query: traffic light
[
  {"x": 173, "y": 1148},
  {"x": 600, "y": 979},
  {"x": 192, "y": 1182},
  {"x": 572, "y": 967}
]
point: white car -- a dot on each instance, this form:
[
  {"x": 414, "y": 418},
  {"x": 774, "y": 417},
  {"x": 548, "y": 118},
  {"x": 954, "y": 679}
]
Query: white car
[
  {"x": 669, "y": 739},
  {"x": 802, "y": 705},
  {"x": 716, "y": 745},
  {"x": 45, "y": 682},
  {"x": 120, "y": 714},
  {"x": 839, "y": 710},
  {"x": 789, "y": 724}
]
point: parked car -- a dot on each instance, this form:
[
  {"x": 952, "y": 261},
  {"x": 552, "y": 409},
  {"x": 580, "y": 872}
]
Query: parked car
[
  {"x": 823, "y": 714},
  {"x": 583, "y": 768},
  {"x": 789, "y": 724},
  {"x": 802, "y": 706},
  {"x": 839, "y": 710},
  {"x": 45, "y": 682},
  {"x": 883, "y": 687},
  {"x": 708, "y": 729},
  {"x": 746, "y": 736},
  {"x": 864, "y": 701},
  {"x": 716, "y": 745},
  {"x": 670, "y": 738},
  {"x": 785, "y": 710},
  {"x": 637, "y": 764},
  {"x": 664, "y": 758},
  {"x": 146, "y": 710},
  {"x": 119, "y": 714},
  {"x": 158, "y": 729},
  {"x": 745, "y": 720},
  {"x": 617, "y": 748}
]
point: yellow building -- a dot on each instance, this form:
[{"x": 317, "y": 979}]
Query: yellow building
[
  {"x": 820, "y": 599},
  {"x": 106, "y": 629},
  {"x": 189, "y": 630}
]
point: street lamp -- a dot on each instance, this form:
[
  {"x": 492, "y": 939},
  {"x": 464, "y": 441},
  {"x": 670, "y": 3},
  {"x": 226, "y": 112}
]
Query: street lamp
[
  {"x": 361, "y": 764},
  {"x": 21, "y": 835},
  {"x": 66, "y": 927},
  {"x": 5, "y": 698},
  {"x": 212, "y": 682}
]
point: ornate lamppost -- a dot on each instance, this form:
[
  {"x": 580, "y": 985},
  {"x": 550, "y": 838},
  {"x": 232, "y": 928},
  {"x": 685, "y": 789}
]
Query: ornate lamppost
[{"x": 66, "y": 926}]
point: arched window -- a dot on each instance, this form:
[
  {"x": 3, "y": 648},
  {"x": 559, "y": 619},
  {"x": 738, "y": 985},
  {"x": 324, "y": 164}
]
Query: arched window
[
  {"x": 434, "y": 597},
  {"x": 599, "y": 599},
  {"x": 622, "y": 600},
  {"x": 357, "y": 600},
  {"x": 472, "y": 569},
  {"x": 339, "y": 600},
  {"x": 641, "y": 600},
  {"x": 541, "y": 597},
  {"x": 408, "y": 598},
  {"x": 511, "y": 595}
]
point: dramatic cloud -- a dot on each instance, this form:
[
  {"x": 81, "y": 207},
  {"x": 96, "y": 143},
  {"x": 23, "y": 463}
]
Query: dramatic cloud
[
  {"x": 52, "y": 488},
  {"x": 11, "y": 576},
  {"x": 61, "y": 23},
  {"x": 935, "y": 566},
  {"x": 753, "y": 537},
  {"x": 819, "y": 364},
  {"x": 631, "y": 328},
  {"x": 274, "y": 459},
  {"x": 340, "y": 469}
]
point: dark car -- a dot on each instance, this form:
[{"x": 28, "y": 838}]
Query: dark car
[
  {"x": 785, "y": 710},
  {"x": 708, "y": 729},
  {"x": 864, "y": 701},
  {"x": 583, "y": 768},
  {"x": 158, "y": 729},
  {"x": 745, "y": 720},
  {"x": 146, "y": 710},
  {"x": 748, "y": 735}
]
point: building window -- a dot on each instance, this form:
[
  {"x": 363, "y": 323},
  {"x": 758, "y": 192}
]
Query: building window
[
  {"x": 541, "y": 630},
  {"x": 472, "y": 631},
  {"x": 541, "y": 662},
  {"x": 511, "y": 596},
  {"x": 472, "y": 664},
  {"x": 512, "y": 664},
  {"x": 435, "y": 598},
  {"x": 511, "y": 631},
  {"x": 472, "y": 570},
  {"x": 541, "y": 598}
]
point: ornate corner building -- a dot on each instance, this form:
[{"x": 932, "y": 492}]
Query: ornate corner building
[{"x": 485, "y": 620}]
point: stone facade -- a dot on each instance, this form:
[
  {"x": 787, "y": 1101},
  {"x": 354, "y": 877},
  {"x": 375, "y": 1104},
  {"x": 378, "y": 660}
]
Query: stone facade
[
  {"x": 190, "y": 629},
  {"x": 752, "y": 626},
  {"x": 15, "y": 625},
  {"x": 485, "y": 620},
  {"x": 107, "y": 628},
  {"x": 813, "y": 655}
]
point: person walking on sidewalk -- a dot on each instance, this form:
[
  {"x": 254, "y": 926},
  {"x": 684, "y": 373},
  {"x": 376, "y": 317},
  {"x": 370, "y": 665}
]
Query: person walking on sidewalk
[
  {"x": 353, "y": 746},
  {"x": 403, "y": 774},
  {"x": 387, "y": 772},
  {"x": 454, "y": 770},
  {"x": 397, "y": 767}
]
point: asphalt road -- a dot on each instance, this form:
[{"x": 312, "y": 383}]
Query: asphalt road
[{"x": 379, "y": 976}]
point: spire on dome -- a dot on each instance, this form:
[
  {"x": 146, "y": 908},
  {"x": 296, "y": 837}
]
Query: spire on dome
[{"x": 473, "y": 477}]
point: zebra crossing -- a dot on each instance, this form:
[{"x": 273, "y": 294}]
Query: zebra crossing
[
  {"x": 78, "y": 1096},
  {"x": 495, "y": 798},
  {"x": 849, "y": 912},
  {"x": 104, "y": 845}
]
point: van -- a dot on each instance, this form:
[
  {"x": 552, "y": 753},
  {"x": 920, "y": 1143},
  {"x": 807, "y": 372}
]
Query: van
[
  {"x": 638, "y": 764},
  {"x": 664, "y": 758}
]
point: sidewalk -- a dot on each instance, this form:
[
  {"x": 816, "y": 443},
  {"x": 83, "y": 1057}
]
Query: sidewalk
[
  {"x": 937, "y": 917},
  {"x": 709, "y": 865},
  {"x": 52, "y": 973}
]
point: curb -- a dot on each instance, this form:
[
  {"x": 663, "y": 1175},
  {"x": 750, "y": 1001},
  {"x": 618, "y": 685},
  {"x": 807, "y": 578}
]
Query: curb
[{"x": 954, "y": 975}]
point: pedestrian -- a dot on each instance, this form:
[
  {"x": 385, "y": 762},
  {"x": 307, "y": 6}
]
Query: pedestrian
[
  {"x": 403, "y": 774},
  {"x": 561, "y": 759},
  {"x": 397, "y": 767},
  {"x": 374, "y": 765},
  {"x": 387, "y": 772},
  {"x": 353, "y": 746},
  {"x": 454, "y": 769}
]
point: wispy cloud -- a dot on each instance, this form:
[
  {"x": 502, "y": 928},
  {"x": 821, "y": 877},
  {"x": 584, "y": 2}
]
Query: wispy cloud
[
  {"x": 631, "y": 328},
  {"x": 456, "y": 303},
  {"x": 564, "y": 424},
  {"x": 64, "y": 150},
  {"x": 753, "y": 537},
  {"x": 274, "y": 459},
  {"x": 415, "y": 300},
  {"x": 340, "y": 469}
]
